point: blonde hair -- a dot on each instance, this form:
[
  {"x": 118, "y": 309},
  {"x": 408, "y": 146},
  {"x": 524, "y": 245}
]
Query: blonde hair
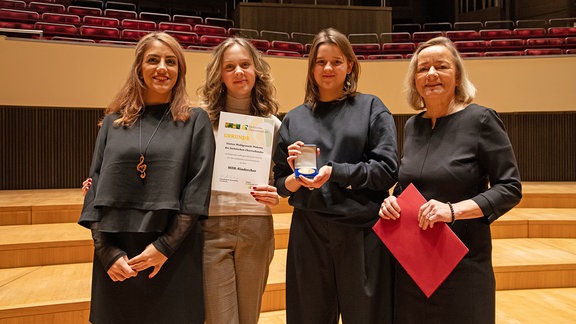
[
  {"x": 331, "y": 36},
  {"x": 129, "y": 101},
  {"x": 212, "y": 92},
  {"x": 465, "y": 90}
]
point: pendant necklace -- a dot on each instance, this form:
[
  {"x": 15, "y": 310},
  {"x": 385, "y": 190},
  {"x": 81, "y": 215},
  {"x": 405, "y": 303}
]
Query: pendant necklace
[{"x": 141, "y": 167}]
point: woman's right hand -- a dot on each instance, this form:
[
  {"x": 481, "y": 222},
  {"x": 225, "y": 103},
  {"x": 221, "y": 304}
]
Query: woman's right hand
[
  {"x": 389, "y": 209},
  {"x": 86, "y": 184},
  {"x": 293, "y": 153},
  {"x": 120, "y": 270}
]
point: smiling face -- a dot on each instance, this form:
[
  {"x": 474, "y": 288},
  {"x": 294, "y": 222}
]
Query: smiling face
[
  {"x": 330, "y": 70},
  {"x": 160, "y": 72},
  {"x": 238, "y": 72},
  {"x": 435, "y": 76}
]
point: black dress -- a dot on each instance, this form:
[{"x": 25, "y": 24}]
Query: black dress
[
  {"x": 132, "y": 213},
  {"x": 457, "y": 160}
]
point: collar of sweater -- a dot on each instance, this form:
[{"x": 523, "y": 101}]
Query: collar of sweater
[{"x": 238, "y": 105}]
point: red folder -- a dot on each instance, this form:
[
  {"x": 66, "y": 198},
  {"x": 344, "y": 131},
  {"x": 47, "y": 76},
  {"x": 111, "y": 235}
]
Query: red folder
[{"x": 427, "y": 255}]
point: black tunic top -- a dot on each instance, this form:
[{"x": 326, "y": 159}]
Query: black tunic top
[
  {"x": 466, "y": 156},
  {"x": 357, "y": 137}
]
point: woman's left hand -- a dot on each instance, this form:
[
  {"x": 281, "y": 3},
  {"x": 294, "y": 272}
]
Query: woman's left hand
[
  {"x": 150, "y": 257},
  {"x": 432, "y": 212},
  {"x": 320, "y": 179},
  {"x": 265, "y": 194}
]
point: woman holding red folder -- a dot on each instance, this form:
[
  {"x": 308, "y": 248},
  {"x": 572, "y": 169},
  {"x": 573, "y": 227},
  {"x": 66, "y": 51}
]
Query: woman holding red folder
[{"x": 459, "y": 157}]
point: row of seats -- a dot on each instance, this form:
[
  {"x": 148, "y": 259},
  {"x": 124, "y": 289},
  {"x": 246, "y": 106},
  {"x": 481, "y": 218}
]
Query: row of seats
[
  {"x": 490, "y": 24},
  {"x": 112, "y": 12}
]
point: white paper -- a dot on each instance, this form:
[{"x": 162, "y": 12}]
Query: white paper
[{"x": 243, "y": 152}]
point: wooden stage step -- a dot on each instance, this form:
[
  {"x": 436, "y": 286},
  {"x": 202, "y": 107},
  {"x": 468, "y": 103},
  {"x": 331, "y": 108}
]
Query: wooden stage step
[
  {"x": 536, "y": 222},
  {"x": 518, "y": 264},
  {"x": 531, "y": 306}
]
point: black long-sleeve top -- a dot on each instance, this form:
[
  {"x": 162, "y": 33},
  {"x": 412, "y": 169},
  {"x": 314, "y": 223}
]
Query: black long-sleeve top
[
  {"x": 357, "y": 137},
  {"x": 179, "y": 162}
]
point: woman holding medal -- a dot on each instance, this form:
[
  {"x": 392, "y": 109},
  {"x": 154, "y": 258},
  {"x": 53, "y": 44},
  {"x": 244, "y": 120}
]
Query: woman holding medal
[
  {"x": 149, "y": 184},
  {"x": 239, "y": 232},
  {"x": 337, "y": 266}
]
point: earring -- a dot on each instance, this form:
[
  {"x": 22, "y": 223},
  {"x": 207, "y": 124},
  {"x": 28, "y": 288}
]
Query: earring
[{"x": 347, "y": 83}]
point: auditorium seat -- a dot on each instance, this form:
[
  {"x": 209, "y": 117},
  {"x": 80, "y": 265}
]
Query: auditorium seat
[
  {"x": 16, "y": 25},
  {"x": 119, "y": 5},
  {"x": 101, "y": 21},
  {"x": 548, "y": 42},
  {"x": 89, "y": 3},
  {"x": 543, "y": 51},
  {"x": 84, "y": 11},
  {"x": 221, "y": 22},
  {"x": 529, "y": 32},
  {"x": 133, "y": 35},
  {"x": 190, "y": 20},
  {"x": 398, "y": 48},
  {"x": 73, "y": 39},
  {"x": 511, "y": 44},
  {"x": 41, "y": 7},
  {"x": 395, "y": 37},
  {"x": 61, "y": 18},
  {"x": 185, "y": 38},
  {"x": 571, "y": 51},
  {"x": 462, "y": 35},
  {"x": 154, "y": 16},
  {"x": 366, "y": 49},
  {"x": 504, "y": 53},
  {"x": 165, "y": 25},
  {"x": 260, "y": 44},
  {"x": 271, "y": 35},
  {"x": 425, "y": 35},
  {"x": 471, "y": 54},
  {"x": 570, "y": 43},
  {"x": 210, "y": 30},
  {"x": 21, "y": 16},
  {"x": 118, "y": 42},
  {"x": 363, "y": 38},
  {"x": 562, "y": 22},
  {"x": 243, "y": 32},
  {"x": 54, "y": 29},
  {"x": 561, "y": 31},
  {"x": 499, "y": 24},
  {"x": 471, "y": 46},
  {"x": 468, "y": 25},
  {"x": 12, "y": 4},
  {"x": 283, "y": 53},
  {"x": 488, "y": 34},
  {"x": 199, "y": 48},
  {"x": 385, "y": 57},
  {"x": 304, "y": 38},
  {"x": 287, "y": 46},
  {"x": 531, "y": 23},
  {"x": 211, "y": 40},
  {"x": 99, "y": 32},
  {"x": 120, "y": 14},
  {"x": 138, "y": 24},
  {"x": 410, "y": 28},
  {"x": 437, "y": 26}
]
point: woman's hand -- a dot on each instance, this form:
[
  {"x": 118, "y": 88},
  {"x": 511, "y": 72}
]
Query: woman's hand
[
  {"x": 432, "y": 212},
  {"x": 293, "y": 153},
  {"x": 320, "y": 179},
  {"x": 266, "y": 195},
  {"x": 120, "y": 270},
  {"x": 390, "y": 208},
  {"x": 86, "y": 184},
  {"x": 150, "y": 257}
]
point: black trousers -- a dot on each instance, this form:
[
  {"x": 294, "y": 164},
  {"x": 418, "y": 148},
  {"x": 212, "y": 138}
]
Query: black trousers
[{"x": 334, "y": 270}]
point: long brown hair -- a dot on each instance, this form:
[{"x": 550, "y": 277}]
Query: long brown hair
[
  {"x": 129, "y": 101},
  {"x": 331, "y": 36},
  {"x": 212, "y": 93}
]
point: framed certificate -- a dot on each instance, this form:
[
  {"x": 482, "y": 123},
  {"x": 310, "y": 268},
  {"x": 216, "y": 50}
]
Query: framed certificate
[{"x": 243, "y": 152}]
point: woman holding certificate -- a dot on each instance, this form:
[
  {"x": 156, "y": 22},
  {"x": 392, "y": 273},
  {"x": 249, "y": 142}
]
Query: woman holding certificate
[
  {"x": 458, "y": 155},
  {"x": 239, "y": 233},
  {"x": 336, "y": 266}
]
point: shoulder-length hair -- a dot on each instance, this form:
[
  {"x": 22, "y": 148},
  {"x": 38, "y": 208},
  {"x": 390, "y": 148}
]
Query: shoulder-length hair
[
  {"x": 129, "y": 101},
  {"x": 212, "y": 92},
  {"x": 334, "y": 37},
  {"x": 465, "y": 90}
]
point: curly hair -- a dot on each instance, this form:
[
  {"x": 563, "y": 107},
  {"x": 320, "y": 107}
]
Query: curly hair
[
  {"x": 331, "y": 36},
  {"x": 129, "y": 101},
  {"x": 212, "y": 92}
]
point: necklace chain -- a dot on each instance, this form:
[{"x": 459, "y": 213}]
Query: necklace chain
[{"x": 141, "y": 167}]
